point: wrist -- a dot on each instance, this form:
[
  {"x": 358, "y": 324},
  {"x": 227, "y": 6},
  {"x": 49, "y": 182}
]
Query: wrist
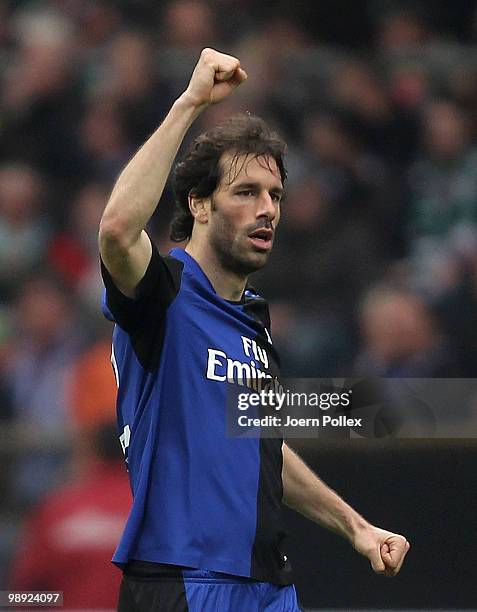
[
  {"x": 187, "y": 104},
  {"x": 359, "y": 529}
]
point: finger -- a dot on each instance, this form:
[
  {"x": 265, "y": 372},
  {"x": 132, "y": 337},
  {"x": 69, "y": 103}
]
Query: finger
[
  {"x": 241, "y": 75},
  {"x": 223, "y": 88},
  {"x": 393, "y": 556},
  {"x": 238, "y": 75},
  {"x": 395, "y": 543},
  {"x": 407, "y": 546},
  {"x": 389, "y": 556},
  {"x": 224, "y": 65},
  {"x": 224, "y": 75}
]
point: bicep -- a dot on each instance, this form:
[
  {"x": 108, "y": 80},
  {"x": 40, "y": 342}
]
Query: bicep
[
  {"x": 152, "y": 291},
  {"x": 127, "y": 266}
]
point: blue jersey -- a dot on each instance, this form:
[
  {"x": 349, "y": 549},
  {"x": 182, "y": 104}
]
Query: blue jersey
[{"x": 201, "y": 499}]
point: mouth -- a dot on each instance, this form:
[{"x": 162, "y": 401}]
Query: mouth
[{"x": 262, "y": 238}]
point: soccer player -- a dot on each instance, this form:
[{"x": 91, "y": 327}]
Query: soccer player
[{"x": 205, "y": 530}]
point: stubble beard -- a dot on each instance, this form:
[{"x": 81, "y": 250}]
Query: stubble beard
[{"x": 232, "y": 251}]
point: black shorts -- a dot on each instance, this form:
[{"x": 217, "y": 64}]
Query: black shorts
[{"x": 156, "y": 587}]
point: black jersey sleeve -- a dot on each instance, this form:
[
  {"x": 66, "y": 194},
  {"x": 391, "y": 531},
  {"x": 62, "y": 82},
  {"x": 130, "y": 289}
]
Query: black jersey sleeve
[{"x": 154, "y": 293}]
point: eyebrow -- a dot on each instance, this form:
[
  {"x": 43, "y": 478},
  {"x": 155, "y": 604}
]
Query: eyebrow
[{"x": 251, "y": 185}]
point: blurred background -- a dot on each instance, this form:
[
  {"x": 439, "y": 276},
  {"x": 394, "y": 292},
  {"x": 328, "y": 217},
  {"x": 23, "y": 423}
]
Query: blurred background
[{"x": 374, "y": 271}]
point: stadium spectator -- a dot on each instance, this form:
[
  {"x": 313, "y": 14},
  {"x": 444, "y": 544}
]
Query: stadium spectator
[
  {"x": 358, "y": 89},
  {"x": 92, "y": 390},
  {"x": 24, "y": 226},
  {"x": 442, "y": 183},
  {"x": 131, "y": 76},
  {"x": 103, "y": 138},
  {"x": 44, "y": 343},
  {"x": 401, "y": 338},
  {"x": 403, "y": 28},
  {"x": 68, "y": 539},
  {"x": 442, "y": 193},
  {"x": 39, "y": 93},
  {"x": 72, "y": 252},
  {"x": 188, "y": 24}
]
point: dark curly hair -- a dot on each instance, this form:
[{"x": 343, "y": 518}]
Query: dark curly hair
[{"x": 199, "y": 173}]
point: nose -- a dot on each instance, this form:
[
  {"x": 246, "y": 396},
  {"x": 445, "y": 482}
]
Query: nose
[{"x": 266, "y": 207}]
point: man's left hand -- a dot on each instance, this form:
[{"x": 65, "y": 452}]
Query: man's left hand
[{"x": 385, "y": 550}]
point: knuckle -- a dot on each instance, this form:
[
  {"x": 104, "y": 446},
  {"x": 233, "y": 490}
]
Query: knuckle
[{"x": 206, "y": 54}]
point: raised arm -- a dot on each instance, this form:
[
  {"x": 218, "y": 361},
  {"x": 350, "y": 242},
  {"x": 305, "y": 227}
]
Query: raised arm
[
  {"x": 306, "y": 493},
  {"x": 124, "y": 245}
]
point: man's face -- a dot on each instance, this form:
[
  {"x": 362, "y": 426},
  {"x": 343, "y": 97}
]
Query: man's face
[{"x": 245, "y": 211}]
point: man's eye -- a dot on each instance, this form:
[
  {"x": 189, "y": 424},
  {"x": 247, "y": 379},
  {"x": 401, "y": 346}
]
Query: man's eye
[
  {"x": 247, "y": 193},
  {"x": 276, "y": 197}
]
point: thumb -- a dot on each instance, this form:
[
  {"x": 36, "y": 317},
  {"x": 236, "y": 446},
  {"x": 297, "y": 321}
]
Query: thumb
[{"x": 376, "y": 560}]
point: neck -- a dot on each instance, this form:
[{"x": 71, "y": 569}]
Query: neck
[{"x": 226, "y": 283}]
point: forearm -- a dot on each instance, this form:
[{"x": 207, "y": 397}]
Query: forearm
[
  {"x": 141, "y": 183},
  {"x": 304, "y": 492}
]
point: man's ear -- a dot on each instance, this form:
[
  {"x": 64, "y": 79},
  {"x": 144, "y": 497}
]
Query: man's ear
[{"x": 199, "y": 208}]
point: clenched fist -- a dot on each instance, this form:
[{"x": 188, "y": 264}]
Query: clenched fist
[
  {"x": 384, "y": 549},
  {"x": 215, "y": 76}
]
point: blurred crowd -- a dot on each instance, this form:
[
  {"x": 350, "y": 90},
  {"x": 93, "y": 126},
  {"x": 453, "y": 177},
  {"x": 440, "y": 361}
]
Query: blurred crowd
[{"x": 375, "y": 265}]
